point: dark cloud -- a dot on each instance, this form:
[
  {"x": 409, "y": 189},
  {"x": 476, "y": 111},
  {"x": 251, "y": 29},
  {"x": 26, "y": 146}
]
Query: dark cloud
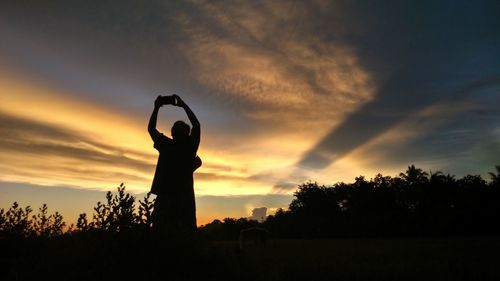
[
  {"x": 376, "y": 117},
  {"x": 119, "y": 54},
  {"x": 31, "y": 137},
  {"x": 92, "y": 49},
  {"x": 466, "y": 144},
  {"x": 421, "y": 54},
  {"x": 217, "y": 177},
  {"x": 286, "y": 185},
  {"x": 259, "y": 214}
]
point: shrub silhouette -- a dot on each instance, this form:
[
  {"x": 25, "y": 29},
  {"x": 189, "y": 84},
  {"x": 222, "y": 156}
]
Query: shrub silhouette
[
  {"x": 46, "y": 225},
  {"x": 118, "y": 213},
  {"x": 18, "y": 222},
  {"x": 82, "y": 223},
  {"x": 145, "y": 215}
]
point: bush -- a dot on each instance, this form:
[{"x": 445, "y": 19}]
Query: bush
[{"x": 117, "y": 214}]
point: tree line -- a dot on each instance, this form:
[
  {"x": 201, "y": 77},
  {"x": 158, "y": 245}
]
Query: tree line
[{"x": 415, "y": 203}]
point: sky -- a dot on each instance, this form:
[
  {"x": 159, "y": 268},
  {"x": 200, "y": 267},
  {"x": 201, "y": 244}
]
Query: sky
[{"x": 286, "y": 92}]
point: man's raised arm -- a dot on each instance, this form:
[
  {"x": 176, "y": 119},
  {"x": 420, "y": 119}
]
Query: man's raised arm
[
  {"x": 195, "y": 131},
  {"x": 153, "y": 132}
]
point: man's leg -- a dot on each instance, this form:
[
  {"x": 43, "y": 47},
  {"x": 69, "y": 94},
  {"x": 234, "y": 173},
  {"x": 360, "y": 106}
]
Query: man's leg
[{"x": 158, "y": 215}]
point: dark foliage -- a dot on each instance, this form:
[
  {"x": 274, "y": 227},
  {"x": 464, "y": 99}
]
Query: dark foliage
[
  {"x": 117, "y": 243},
  {"x": 227, "y": 229},
  {"x": 117, "y": 214},
  {"x": 18, "y": 222},
  {"x": 415, "y": 203}
]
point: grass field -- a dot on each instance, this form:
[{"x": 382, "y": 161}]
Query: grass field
[
  {"x": 394, "y": 259},
  {"x": 341, "y": 259}
]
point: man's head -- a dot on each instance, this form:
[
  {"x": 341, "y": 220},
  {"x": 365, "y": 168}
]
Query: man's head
[{"x": 180, "y": 130}]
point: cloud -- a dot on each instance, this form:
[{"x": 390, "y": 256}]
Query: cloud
[
  {"x": 238, "y": 206},
  {"x": 218, "y": 177},
  {"x": 39, "y": 153},
  {"x": 368, "y": 123},
  {"x": 33, "y": 151},
  {"x": 357, "y": 79},
  {"x": 415, "y": 66},
  {"x": 286, "y": 91},
  {"x": 239, "y": 131},
  {"x": 275, "y": 74},
  {"x": 259, "y": 214}
]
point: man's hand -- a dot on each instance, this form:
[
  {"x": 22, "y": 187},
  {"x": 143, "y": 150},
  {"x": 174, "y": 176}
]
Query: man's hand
[
  {"x": 158, "y": 101},
  {"x": 180, "y": 102}
]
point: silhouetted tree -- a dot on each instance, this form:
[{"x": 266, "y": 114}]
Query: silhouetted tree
[
  {"x": 16, "y": 221},
  {"x": 82, "y": 223},
  {"x": 122, "y": 210},
  {"x": 414, "y": 175},
  {"x": 413, "y": 203},
  {"x": 227, "y": 229},
  {"x": 116, "y": 214},
  {"x": 46, "y": 225},
  {"x": 145, "y": 214},
  {"x": 495, "y": 177}
]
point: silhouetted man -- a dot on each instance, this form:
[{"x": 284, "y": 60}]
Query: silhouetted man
[{"x": 175, "y": 209}]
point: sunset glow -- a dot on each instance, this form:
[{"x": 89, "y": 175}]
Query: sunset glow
[{"x": 284, "y": 95}]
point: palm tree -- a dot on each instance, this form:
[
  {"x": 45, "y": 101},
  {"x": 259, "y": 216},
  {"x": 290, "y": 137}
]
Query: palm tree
[
  {"x": 414, "y": 175},
  {"x": 437, "y": 177},
  {"x": 495, "y": 178},
  {"x": 440, "y": 178}
]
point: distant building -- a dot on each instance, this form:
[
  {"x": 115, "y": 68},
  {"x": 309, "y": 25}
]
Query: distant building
[{"x": 259, "y": 214}]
